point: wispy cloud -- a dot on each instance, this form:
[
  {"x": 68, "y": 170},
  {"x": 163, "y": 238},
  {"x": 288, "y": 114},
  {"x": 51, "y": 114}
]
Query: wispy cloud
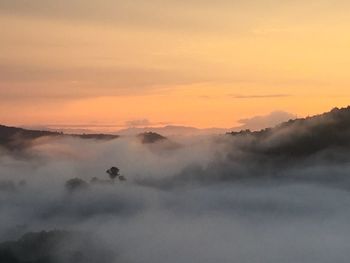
[
  {"x": 143, "y": 123},
  {"x": 257, "y": 96},
  {"x": 265, "y": 121},
  {"x": 137, "y": 123}
]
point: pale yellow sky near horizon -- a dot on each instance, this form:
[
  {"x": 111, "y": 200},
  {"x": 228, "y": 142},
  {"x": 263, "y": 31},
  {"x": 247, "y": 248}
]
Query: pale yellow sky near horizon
[{"x": 195, "y": 63}]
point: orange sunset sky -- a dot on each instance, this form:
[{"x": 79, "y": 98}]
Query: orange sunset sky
[{"x": 196, "y": 63}]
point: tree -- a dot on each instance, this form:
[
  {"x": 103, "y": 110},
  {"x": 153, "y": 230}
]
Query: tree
[
  {"x": 76, "y": 184},
  {"x": 113, "y": 172}
]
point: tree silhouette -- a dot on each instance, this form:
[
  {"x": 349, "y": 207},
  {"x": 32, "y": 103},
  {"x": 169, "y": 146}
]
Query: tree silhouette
[
  {"x": 75, "y": 184},
  {"x": 113, "y": 172}
]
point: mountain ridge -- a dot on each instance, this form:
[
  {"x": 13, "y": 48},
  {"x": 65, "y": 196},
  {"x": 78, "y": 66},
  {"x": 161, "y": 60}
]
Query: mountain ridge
[
  {"x": 302, "y": 136},
  {"x": 14, "y": 138}
]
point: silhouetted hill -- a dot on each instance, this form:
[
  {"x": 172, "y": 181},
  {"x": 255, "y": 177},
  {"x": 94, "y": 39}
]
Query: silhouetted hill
[
  {"x": 172, "y": 130},
  {"x": 318, "y": 146},
  {"x": 99, "y": 136},
  {"x": 300, "y": 137},
  {"x": 13, "y": 138},
  {"x": 150, "y": 137},
  {"x": 17, "y": 138}
]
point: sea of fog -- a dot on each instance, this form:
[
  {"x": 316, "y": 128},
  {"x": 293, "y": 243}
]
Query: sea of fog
[{"x": 175, "y": 206}]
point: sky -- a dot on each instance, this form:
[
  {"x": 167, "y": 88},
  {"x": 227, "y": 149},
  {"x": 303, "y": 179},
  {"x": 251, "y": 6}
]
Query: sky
[{"x": 112, "y": 63}]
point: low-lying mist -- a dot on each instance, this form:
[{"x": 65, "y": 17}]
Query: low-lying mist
[{"x": 200, "y": 199}]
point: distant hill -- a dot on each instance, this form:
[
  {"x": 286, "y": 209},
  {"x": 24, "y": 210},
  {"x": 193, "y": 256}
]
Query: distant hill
[
  {"x": 95, "y": 136},
  {"x": 172, "y": 130},
  {"x": 13, "y": 138},
  {"x": 157, "y": 141},
  {"x": 17, "y": 138},
  {"x": 150, "y": 137}
]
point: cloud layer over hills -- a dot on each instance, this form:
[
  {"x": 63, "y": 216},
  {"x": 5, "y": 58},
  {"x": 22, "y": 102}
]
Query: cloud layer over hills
[{"x": 278, "y": 195}]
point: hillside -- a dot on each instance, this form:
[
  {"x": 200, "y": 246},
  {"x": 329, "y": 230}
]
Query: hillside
[
  {"x": 50, "y": 247},
  {"x": 319, "y": 146},
  {"x": 300, "y": 137},
  {"x": 13, "y": 138}
]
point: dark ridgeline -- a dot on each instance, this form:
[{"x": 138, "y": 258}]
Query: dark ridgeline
[
  {"x": 13, "y": 138},
  {"x": 295, "y": 138},
  {"x": 301, "y": 137},
  {"x": 97, "y": 136},
  {"x": 279, "y": 152}
]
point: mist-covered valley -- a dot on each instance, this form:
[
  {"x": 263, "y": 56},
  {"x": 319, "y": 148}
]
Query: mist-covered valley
[{"x": 277, "y": 195}]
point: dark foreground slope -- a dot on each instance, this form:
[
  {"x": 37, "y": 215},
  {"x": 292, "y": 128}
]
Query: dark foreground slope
[{"x": 53, "y": 247}]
